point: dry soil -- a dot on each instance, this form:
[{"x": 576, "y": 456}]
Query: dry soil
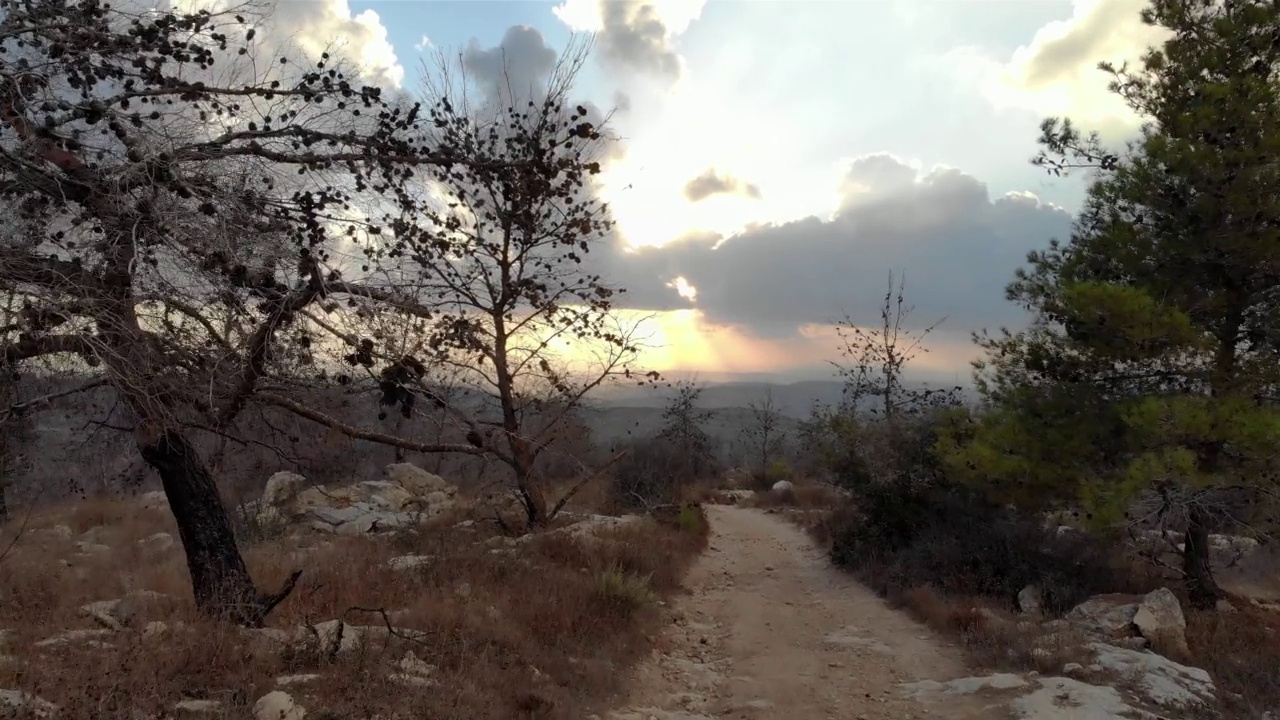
[{"x": 769, "y": 629}]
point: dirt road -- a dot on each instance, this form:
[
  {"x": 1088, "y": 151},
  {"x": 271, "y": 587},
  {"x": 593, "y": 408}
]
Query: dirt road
[{"x": 770, "y": 629}]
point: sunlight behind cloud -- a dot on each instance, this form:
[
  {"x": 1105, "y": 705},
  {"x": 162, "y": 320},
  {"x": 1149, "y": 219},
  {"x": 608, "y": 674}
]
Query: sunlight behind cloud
[
  {"x": 703, "y": 126},
  {"x": 683, "y": 288},
  {"x": 318, "y": 27},
  {"x": 1057, "y": 73},
  {"x": 680, "y": 340}
]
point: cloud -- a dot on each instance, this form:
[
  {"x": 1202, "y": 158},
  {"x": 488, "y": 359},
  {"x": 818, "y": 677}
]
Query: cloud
[
  {"x": 634, "y": 37},
  {"x": 520, "y": 68},
  {"x": 422, "y": 44},
  {"x": 318, "y": 27},
  {"x": 957, "y": 245},
  {"x": 1056, "y": 72},
  {"x": 712, "y": 183},
  {"x": 519, "y": 64}
]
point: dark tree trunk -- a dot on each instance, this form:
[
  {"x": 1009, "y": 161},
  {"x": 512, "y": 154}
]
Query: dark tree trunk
[
  {"x": 1202, "y": 589},
  {"x": 535, "y": 503},
  {"x": 220, "y": 580}
]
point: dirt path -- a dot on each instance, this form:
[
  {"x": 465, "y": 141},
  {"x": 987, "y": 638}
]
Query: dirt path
[{"x": 770, "y": 629}]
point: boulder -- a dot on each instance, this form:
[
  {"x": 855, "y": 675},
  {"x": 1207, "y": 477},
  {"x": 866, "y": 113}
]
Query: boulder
[
  {"x": 416, "y": 480},
  {"x": 1164, "y": 682},
  {"x": 1159, "y": 619},
  {"x": 1029, "y": 600},
  {"x": 87, "y": 636},
  {"x": 783, "y": 486},
  {"x": 1109, "y": 616},
  {"x": 154, "y": 500},
  {"x": 125, "y": 611},
  {"x": 409, "y": 498},
  {"x": 157, "y": 544},
  {"x": 25, "y": 704},
  {"x": 388, "y": 495},
  {"x": 282, "y": 487},
  {"x": 335, "y": 637}
]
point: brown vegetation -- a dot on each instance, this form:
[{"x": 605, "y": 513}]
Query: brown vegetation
[{"x": 542, "y": 630}]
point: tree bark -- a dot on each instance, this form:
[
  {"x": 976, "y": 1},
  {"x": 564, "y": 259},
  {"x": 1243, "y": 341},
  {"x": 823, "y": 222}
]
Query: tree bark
[
  {"x": 220, "y": 579},
  {"x": 1202, "y": 589}
]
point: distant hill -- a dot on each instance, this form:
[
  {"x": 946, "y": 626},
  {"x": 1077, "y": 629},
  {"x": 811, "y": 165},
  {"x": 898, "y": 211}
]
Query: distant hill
[
  {"x": 795, "y": 400},
  {"x": 613, "y": 423}
]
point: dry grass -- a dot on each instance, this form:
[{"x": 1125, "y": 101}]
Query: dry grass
[
  {"x": 537, "y": 630},
  {"x": 1241, "y": 650},
  {"x": 992, "y": 636},
  {"x": 804, "y": 494}
]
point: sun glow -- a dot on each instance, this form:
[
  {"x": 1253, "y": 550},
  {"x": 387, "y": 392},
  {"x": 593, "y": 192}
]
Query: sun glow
[{"x": 699, "y": 127}]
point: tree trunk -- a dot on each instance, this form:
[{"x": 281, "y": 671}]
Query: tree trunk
[
  {"x": 535, "y": 505},
  {"x": 1202, "y": 589},
  {"x": 220, "y": 580}
]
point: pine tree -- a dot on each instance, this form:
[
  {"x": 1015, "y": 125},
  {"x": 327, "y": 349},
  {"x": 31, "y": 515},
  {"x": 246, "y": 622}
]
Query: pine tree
[{"x": 1152, "y": 363}]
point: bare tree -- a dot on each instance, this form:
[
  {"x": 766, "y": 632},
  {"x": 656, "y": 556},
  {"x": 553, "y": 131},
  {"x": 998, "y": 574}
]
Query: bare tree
[
  {"x": 898, "y": 448},
  {"x": 875, "y": 359},
  {"x": 765, "y": 434},
  {"x": 185, "y": 205}
]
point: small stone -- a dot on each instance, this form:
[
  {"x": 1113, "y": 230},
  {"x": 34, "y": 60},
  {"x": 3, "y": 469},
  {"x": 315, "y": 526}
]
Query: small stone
[
  {"x": 409, "y": 562},
  {"x": 300, "y": 679},
  {"x": 277, "y": 705},
  {"x": 197, "y": 707},
  {"x": 414, "y": 665},
  {"x": 25, "y": 703}
]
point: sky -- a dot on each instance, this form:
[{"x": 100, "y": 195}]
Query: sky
[{"x": 780, "y": 157}]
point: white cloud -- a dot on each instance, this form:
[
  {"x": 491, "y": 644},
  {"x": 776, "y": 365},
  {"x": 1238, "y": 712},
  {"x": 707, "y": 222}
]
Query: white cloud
[
  {"x": 636, "y": 37},
  {"x": 422, "y": 44},
  {"x": 1056, "y": 72},
  {"x": 319, "y": 26}
]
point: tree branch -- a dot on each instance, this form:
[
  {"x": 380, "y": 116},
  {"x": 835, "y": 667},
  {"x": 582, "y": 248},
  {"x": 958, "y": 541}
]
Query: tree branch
[
  {"x": 32, "y": 347},
  {"x": 353, "y": 432}
]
